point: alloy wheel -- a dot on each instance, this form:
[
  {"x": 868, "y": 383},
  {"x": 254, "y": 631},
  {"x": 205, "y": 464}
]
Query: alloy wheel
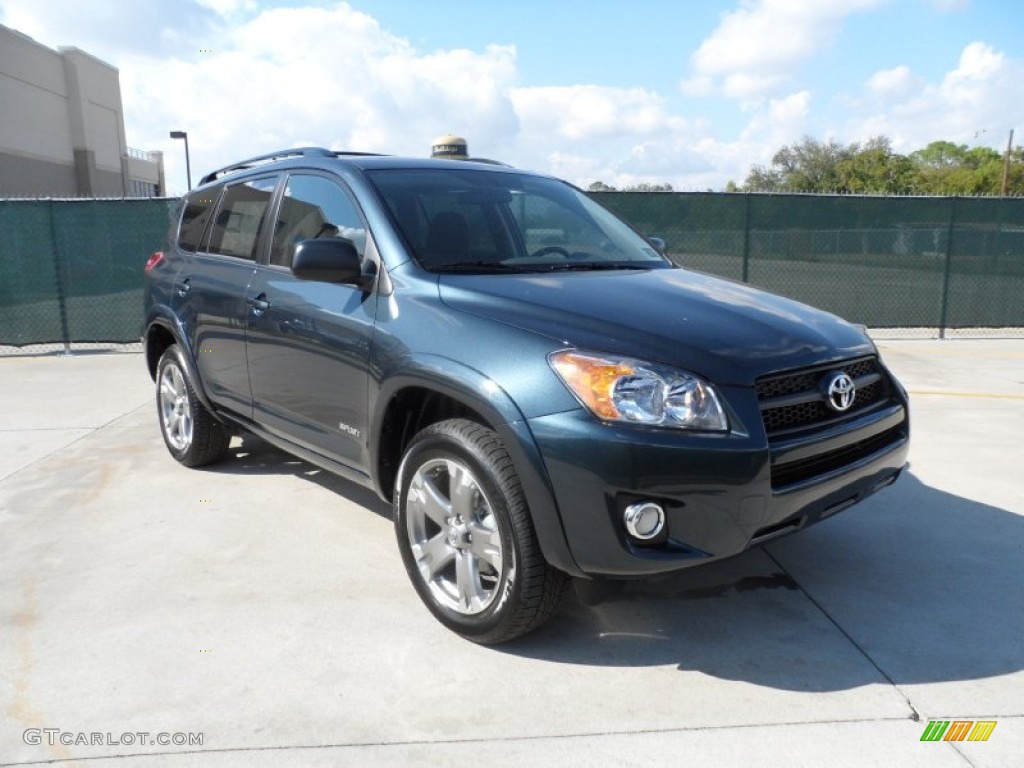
[
  {"x": 175, "y": 409},
  {"x": 454, "y": 538}
]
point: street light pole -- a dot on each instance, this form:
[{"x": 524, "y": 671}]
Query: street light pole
[
  {"x": 188, "y": 164},
  {"x": 1006, "y": 164}
]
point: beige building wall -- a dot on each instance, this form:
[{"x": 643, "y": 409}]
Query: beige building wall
[
  {"x": 145, "y": 169},
  {"x": 62, "y": 126}
]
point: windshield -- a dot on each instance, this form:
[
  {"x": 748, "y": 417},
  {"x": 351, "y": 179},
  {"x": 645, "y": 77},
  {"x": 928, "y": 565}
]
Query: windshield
[{"x": 478, "y": 220}]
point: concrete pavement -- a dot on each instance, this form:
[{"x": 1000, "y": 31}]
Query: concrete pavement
[{"x": 263, "y": 604}]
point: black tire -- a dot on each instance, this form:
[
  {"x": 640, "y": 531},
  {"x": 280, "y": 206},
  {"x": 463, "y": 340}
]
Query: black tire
[
  {"x": 516, "y": 597},
  {"x": 191, "y": 433}
]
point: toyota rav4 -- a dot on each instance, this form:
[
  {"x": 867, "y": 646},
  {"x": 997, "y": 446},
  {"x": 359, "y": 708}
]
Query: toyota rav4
[{"x": 536, "y": 388}]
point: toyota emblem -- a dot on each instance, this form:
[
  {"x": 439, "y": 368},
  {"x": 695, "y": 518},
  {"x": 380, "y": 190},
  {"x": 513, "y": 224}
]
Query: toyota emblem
[{"x": 840, "y": 392}]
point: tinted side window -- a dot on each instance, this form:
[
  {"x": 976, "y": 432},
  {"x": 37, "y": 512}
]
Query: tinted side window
[
  {"x": 194, "y": 217},
  {"x": 314, "y": 207},
  {"x": 240, "y": 218}
]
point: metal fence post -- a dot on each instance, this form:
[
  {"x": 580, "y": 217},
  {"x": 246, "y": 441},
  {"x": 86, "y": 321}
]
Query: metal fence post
[
  {"x": 943, "y": 313},
  {"x": 746, "y": 238},
  {"x": 59, "y": 274}
]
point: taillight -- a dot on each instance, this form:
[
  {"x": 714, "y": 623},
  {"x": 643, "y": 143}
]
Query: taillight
[{"x": 155, "y": 259}]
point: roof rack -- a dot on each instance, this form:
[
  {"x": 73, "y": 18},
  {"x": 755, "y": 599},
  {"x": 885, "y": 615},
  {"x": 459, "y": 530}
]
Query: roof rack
[
  {"x": 346, "y": 153},
  {"x": 279, "y": 155}
]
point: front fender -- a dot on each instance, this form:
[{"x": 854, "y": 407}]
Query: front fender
[{"x": 475, "y": 390}]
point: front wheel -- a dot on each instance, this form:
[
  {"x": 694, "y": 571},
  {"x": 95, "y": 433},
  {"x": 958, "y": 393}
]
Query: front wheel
[{"x": 466, "y": 536}]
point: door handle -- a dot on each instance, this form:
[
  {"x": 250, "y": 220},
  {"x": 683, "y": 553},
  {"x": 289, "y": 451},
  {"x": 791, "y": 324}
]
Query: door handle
[
  {"x": 185, "y": 286},
  {"x": 259, "y": 304}
]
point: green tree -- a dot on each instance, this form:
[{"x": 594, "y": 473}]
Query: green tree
[
  {"x": 807, "y": 166},
  {"x": 939, "y": 155},
  {"x": 763, "y": 179},
  {"x": 945, "y": 168},
  {"x": 645, "y": 187},
  {"x": 941, "y": 168},
  {"x": 875, "y": 169},
  {"x": 600, "y": 186},
  {"x": 812, "y": 166},
  {"x": 1015, "y": 184}
]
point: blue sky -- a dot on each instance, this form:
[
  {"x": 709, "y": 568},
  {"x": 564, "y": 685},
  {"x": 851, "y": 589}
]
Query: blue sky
[{"x": 691, "y": 93}]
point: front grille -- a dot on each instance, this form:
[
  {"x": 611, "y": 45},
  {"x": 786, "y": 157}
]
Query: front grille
[
  {"x": 797, "y": 401},
  {"x": 805, "y": 469}
]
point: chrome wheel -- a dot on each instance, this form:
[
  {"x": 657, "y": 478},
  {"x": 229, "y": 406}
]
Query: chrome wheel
[
  {"x": 175, "y": 408},
  {"x": 454, "y": 538}
]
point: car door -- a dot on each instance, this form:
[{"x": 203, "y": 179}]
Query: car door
[
  {"x": 308, "y": 342},
  {"x": 211, "y": 291}
]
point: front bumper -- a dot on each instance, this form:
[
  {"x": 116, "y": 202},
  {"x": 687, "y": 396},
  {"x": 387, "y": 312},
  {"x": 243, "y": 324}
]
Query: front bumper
[{"x": 721, "y": 493}]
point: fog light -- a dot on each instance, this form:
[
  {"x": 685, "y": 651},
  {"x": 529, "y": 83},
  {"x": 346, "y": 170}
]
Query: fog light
[{"x": 644, "y": 520}]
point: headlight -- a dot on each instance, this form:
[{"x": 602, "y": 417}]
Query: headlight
[{"x": 623, "y": 389}]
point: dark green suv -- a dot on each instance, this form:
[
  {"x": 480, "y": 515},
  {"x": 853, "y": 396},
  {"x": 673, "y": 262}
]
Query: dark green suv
[{"x": 536, "y": 388}]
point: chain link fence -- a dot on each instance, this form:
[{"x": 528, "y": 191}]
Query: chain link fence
[
  {"x": 915, "y": 265},
  {"x": 71, "y": 270}
]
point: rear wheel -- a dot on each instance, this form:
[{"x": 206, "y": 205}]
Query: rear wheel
[
  {"x": 191, "y": 433},
  {"x": 466, "y": 536}
]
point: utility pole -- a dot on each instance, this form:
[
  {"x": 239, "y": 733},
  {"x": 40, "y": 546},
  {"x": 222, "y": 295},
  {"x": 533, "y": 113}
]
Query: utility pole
[{"x": 1006, "y": 164}]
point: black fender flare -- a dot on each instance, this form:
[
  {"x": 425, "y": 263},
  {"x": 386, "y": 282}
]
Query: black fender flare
[{"x": 474, "y": 389}]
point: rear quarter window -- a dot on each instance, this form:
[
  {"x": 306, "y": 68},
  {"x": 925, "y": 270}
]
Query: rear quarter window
[{"x": 195, "y": 215}]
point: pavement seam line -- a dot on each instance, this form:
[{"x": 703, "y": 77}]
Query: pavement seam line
[
  {"x": 427, "y": 742},
  {"x": 89, "y": 431},
  {"x": 968, "y": 395},
  {"x": 499, "y": 739},
  {"x": 956, "y": 748},
  {"x": 45, "y": 429},
  {"x": 915, "y": 715}
]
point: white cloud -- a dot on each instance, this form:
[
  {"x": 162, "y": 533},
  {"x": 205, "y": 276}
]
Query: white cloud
[
  {"x": 230, "y": 7},
  {"x": 782, "y": 121},
  {"x": 755, "y": 48},
  {"x": 747, "y": 86},
  {"x": 324, "y": 76},
  {"x": 896, "y": 81},
  {"x": 982, "y": 93},
  {"x": 591, "y": 111},
  {"x": 689, "y": 156},
  {"x": 978, "y": 62},
  {"x": 587, "y": 133}
]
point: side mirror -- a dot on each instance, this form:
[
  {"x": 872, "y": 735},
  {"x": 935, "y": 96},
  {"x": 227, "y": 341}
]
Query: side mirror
[
  {"x": 328, "y": 260},
  {"x": 659, "y": 244}
]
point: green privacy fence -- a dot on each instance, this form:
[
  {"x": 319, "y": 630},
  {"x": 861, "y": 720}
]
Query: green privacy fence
[
  {"x": 887, "y": 262},
  {"x": 71, "y": 270}
]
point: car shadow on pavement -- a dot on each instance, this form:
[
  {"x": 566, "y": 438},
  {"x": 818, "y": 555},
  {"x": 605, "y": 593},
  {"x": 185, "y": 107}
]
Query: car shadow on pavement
[
  {"x": 253, "y": 456},
  {"x": 923, "y": 583}
]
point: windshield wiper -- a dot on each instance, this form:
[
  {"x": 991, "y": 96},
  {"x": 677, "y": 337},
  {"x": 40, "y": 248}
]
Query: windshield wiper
[
  {"x": 583, "y": 266},
  {"x": 472, "y": 266}
]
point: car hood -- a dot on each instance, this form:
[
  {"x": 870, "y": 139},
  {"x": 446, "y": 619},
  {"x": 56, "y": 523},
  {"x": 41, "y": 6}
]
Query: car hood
[{"x": 725, "y": 331}]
